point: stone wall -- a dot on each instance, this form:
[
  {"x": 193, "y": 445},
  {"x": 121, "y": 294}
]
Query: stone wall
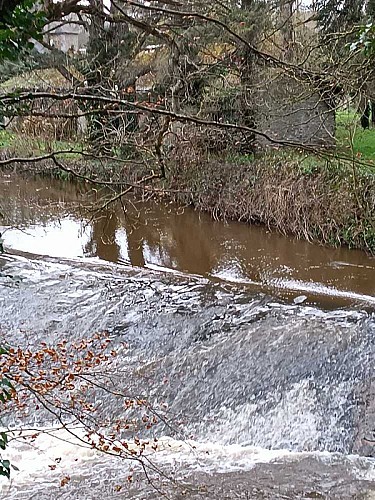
[
  {"x": 284, "y": 109},
  {"x": 290, "y": 111}
]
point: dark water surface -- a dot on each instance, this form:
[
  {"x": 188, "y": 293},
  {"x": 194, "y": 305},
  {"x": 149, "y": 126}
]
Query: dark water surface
[
  {"x": 164, "y": 237},
  {"x": 270, "y": 398}
]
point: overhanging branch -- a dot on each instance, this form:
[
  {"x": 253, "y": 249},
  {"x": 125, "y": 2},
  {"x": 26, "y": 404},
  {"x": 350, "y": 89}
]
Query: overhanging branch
[{"x": 25, "y": 96}]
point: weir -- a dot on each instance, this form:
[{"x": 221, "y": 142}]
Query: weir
[{"x": 264, "y": 396}]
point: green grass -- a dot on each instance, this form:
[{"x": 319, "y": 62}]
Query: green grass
[
  {"x": 348, "y": 125},
  {"x": 6, "y": 139},
  {"x": 26, "y": 146}
]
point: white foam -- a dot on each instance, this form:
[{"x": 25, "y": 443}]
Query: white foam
[
  {"x": 52, "y": 455},
  {"x": 56, "y": 453},
  {"x": 318, "y": 289}
]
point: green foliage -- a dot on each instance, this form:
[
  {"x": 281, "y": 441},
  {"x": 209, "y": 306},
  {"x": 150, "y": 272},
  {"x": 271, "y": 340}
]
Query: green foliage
[
  {"x": 338, "y": 15},
  {"x": 62, "y": 175},
  {"x": 221, "y": 103},
  {"x": 359, "y": 234},
  {"x": 5, "y": 468},
  {"x": 309, "y": 165},
  {"x": 6, "y": 389},
  {"x": 9, "y": 69},
  {"x": 6, "y": 139},
  {"x": 18, "y": 27},
  {"x": 365, "y": 40},
  {"x": 3, "y": 440},
  {"x": 240, "y": 159}
]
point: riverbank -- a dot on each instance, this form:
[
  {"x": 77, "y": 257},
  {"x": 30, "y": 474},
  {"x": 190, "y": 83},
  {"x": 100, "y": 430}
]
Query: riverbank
[
  {"x": 323, "y": 200},
  {"x": 318, "y": 200}
]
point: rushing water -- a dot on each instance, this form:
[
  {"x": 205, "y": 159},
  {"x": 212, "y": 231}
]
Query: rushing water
[{"x": 261, "y": 347}]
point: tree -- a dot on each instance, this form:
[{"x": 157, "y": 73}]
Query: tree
[
  {"x": 19, "y": 22},
  {"x": 340, "y": 21},
  {"x": 62, "y": 381},
  {"x": 165, "y": 82},
  {"x": 336, "y": 16},
  {"x": 211, "y": 67}
]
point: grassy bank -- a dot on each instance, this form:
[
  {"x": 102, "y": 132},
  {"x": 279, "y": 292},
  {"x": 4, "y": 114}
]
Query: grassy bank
[
  {"x": 20, "y": 145},
  {"x": 329, "y": 201},
  {"x": 352, "y": 139},
  {"x": 310, "y": 198}
]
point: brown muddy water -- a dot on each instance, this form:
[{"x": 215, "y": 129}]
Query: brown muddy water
[
  {"x": 51, "y": 222},
  {"x": 260, "y": 346}
]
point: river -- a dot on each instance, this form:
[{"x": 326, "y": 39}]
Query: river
[{"x": 260, "y": 346}]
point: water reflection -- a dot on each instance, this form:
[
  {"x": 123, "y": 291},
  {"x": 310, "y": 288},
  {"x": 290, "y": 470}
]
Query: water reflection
[
  {"x": 67, "y": 237},
  {"x": 50, "y": 223},
  {"x": 103, "y": 241}
]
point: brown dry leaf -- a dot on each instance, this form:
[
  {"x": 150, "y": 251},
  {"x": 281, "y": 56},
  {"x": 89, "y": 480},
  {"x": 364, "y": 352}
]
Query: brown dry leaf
[{"x": 65, "y": 480}]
